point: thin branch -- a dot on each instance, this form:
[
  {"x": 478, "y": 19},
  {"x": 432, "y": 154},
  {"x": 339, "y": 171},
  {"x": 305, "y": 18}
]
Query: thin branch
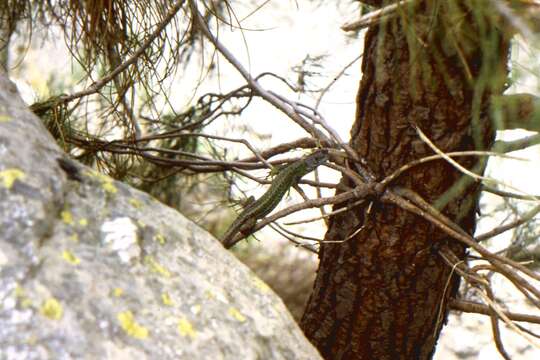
[
  {"x": 526, "y": 288},
  {"x": 376, "y": 16},
  {"x": 348, "y": 195},
  {"x": 303, "y": 143},
  {"x": 99, "y": 84},
  {"x": 430, "y": 158},
  {"x": 507, "y": 194},
  {"x": 257, "y": 88},
  {"x": 297, "y": 243},
  {"x": 499, "y": 230},
  {"x": 335, "y": 79},
  {"x": 477, "y": 308},
  {"x": 326, "y": 215},
  {"x": 515, "y": 145},
  {"x": 450, "y": 228},
  {"x": 502, "y": 315},
  {"x": 494, "y": 311},
  {"x": 455, "y": 163}
]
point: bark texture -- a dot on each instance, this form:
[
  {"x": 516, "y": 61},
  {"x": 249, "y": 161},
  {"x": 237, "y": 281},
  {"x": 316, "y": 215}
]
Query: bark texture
[{"x": 383, "y": 294}]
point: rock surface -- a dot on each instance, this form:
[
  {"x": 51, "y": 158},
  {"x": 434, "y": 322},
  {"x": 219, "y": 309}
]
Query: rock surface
[{"x": 93, "y": 269}]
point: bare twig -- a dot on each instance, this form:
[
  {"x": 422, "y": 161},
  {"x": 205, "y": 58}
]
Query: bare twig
[
  {"x": 477, "y": 308},
  {"x": 430, "y": 158},
  {"x": 507, "y": 321},
  {"x": 257, "y": 88},
  {"x": 285, "y": 233},
  {"x": 375, "y": 16},
  {"x": 335, "y": 79},
  {"x": 494, "y": 311},
  {"x": 450, "y": 228},
  {"x": 499, "y": 230},
  {"x": 99, "y": 84},
  {"x": 326, "y": 215},
  {"x": 455, "y": 163},
  {"x": 507, "y": 194}
]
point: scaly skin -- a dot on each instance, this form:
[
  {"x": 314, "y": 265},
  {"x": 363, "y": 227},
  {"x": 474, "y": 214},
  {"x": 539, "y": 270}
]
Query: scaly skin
[{"x": 283, "y": 181}]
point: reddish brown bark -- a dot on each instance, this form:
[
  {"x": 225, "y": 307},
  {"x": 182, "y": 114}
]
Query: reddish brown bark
[{"x": 383, "y": 294}]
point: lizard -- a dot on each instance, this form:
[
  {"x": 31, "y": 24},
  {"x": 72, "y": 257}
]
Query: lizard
[{"x": 282, "y": 182}]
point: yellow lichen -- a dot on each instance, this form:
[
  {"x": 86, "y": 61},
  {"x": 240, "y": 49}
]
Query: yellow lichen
[
  {"x": 166, "y": 299},
  {"x": 135, "y": 203},
  {"x": 109, "y": 187},
  {"x": 67, "y": 217},
  {"x": 237, "y": 315},
  {"x": 5, "y": 118},
  {"x": 117, "y": 292},
  {"x": 83, "y": 222},
  {"x": 156, "y": 267},
  {"x": 186, "y": 329},
  {"x": 70, "y": 257},
  {"x": 261, "y": 285},
  {"x": 9, "y": 176},
  {"x": 21, "y": 296},
  {"x": 106, "y": 182},
  {"x": 130, "y": 326},
  {"x": 160, "y": 239},
  {"x": 97, "y": 175},
  {"x": 19, "y": 291},
  {"x": 52, "y": 309},
  {"x": 26, "y": 303},
  {"x": 74, "y": 237}
]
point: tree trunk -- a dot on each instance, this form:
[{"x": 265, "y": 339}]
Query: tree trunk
[{"x": 383, "y": 293}]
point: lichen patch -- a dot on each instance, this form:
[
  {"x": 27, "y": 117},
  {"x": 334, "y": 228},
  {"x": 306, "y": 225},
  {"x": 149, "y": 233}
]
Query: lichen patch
[
  {"x": 236, "y": 314},
  {"x": 9, "y": 176},
  {"x": 130, "y": 326},
  {"x": 70, "y": 257},
  {"x": 156, "y": 267},
  {"x": 185, "y": 328},
  {"x": 52, "y": 309}
]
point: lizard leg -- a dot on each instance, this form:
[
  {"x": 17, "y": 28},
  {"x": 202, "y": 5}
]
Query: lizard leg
[
  {"x": 243, "y": 232},
  {"x": 245, "y": 229}
]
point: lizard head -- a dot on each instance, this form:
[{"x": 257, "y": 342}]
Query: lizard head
[{"x": 315, "y": 159}]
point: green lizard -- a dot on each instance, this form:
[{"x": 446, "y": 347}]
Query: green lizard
[{"x": 287, "y": 177}]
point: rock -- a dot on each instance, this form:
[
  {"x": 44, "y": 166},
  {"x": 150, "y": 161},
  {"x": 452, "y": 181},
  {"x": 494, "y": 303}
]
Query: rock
[{"x": 93, "y": 269}]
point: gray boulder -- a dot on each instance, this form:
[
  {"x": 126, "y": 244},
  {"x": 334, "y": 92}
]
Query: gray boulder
[{"x": 93, "y": 269}]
